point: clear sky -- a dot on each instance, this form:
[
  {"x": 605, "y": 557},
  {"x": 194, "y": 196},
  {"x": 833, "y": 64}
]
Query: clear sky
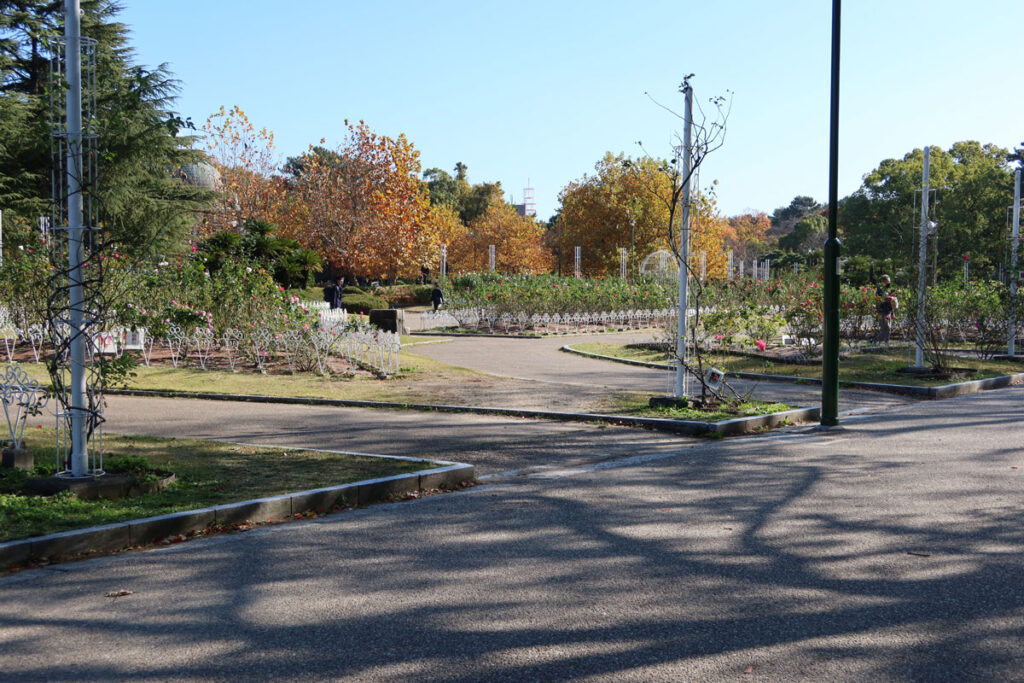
[{"x": 537, "y": 91}]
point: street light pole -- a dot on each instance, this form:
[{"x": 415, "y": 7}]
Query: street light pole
[
  {"x": 1014, "y": 247},
  {"x": 922, "y": 260},
  {"x": 684, "y": 247},
  {"x": 830, "y": 301},
  {"x": 79, "y": 407}
]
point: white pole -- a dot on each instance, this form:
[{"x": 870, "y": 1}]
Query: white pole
[
  {"x": 729, "y": 272},
  {"x": 622, "y": 262},
  {"x": 703, "y": 266},
  {"x": 1014, "y": 243},
  {"x": 79, "y": 406},
  {"x": 490, "y": 256},
  {"x": 922, "y": 256},
  {"x": 578, "y": 257},
  {"x": 684, "y": 249},
  {"x": 444, "y": 261},
  {"x": 767, "y": 269}
]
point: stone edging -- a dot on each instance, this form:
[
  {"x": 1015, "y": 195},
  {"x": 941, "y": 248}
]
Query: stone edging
[
  {"x": 113, "y": 537},
  {"x": 943, "y": 391},
  {"x": 739, "y": 425}
]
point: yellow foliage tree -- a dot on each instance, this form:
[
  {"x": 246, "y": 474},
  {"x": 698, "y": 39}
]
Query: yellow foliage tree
[
  {"x": 707, "y": 246},
  {"x": 518, "y": 242},
  {"x": 617, "y": 207},
  {"x": 626, "y": 204}
]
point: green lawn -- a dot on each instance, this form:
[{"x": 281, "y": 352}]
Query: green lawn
[
  {"x": 746, "y": 409},
  {"x": 878, "y": 367},
  {"x": 407, "y": 387},
  {"x": 207, "y": 473}
]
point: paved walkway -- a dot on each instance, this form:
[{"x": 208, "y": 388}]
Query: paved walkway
[
  {"x": 491, "y": 443},
  {"x": 890, "y": 551},
  {"x": 541, "y": 361}
]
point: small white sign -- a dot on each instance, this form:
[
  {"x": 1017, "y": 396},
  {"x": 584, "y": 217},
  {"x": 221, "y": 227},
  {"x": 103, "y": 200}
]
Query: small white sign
[{"x": 713, "y": 377}]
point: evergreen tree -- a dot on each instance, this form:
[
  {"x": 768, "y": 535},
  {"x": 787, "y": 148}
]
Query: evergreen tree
[{"x": 143, "y": 208}]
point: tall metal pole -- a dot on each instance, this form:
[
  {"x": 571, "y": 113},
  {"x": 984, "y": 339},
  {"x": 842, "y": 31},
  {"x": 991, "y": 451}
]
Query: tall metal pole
[
  {"x": 75, "y": 168},
  {"x": 684, "y": 246},
  {"x": 830, "y": 300},
  {"x": 1014, "y": 245},
  {"x": 922, "y": 260}
]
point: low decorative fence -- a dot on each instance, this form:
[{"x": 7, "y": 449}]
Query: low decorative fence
[
  {"x": 309, "y": 348},
  {"x": 483, "y": 319}
]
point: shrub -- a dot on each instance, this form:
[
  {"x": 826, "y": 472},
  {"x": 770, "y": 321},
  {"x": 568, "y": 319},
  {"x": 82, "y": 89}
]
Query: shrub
[{"x": 362, "y": 303}]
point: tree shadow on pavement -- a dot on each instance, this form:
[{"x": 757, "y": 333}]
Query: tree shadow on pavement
[{"x": 878, "y": 553}]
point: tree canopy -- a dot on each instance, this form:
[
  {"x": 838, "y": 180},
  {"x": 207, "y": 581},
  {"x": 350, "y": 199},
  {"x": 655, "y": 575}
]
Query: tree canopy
[
  {"x": 973, "y": 186},
  {"x": 143, "y": 207}
]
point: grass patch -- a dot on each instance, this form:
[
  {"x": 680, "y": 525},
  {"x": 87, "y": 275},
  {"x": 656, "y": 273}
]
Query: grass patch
[
  {"x": 878, "y": 367},
  {"x": 623, "y": 351},
  {"x": 400, "y": 389},
  {"x": 208, "y": 473},
  {"x": 745, "y": 409}
]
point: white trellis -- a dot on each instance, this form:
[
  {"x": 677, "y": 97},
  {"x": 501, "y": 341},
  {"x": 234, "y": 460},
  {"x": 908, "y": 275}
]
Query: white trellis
[
  {"x": 21, "y": 397},
  {"x": 330, "y": 318}
]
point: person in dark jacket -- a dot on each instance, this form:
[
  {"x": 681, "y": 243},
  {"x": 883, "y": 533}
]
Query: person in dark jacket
[
  {"x": 885, "y": 309},
  {"x": 332, "y": 293},
  {"x": 437, "y": 297}
]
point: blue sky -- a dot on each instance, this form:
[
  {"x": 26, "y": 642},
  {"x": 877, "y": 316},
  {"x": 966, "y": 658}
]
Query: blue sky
[{"x": 536, "y": 92}]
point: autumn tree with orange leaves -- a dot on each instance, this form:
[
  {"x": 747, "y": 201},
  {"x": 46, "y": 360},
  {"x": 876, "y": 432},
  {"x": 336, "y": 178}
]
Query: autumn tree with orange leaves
[
  {"x": 747, "y": 235},
  {"x": 625, "y": 204},
  {"x": 245, "y": 157},
  {"x": 615, "y": 208},
  {"x": 363, "y": 207},
  {"x": 518, "y": 242}
]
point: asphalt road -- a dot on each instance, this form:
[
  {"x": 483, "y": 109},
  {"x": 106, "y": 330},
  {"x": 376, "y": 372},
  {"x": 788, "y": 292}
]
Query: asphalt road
[
  {"x": 541, "y": 360},
  {"x": 491, "y": 443},
  {"x": 889, "y": 551}
]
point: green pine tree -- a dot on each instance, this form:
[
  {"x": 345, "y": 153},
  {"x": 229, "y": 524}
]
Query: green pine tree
[{"x": 143, "y": 208}]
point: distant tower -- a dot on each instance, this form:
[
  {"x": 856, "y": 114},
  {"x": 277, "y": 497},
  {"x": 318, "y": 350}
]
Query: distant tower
[{"x": 529, "y": 205}]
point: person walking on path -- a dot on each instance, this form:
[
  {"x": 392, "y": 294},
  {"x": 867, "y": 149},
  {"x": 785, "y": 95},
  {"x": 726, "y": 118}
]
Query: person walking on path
[
  {"x": 436, "y": 296},
  {"x": 885, "y": 307},
  {"x": 333, "y": 293}
]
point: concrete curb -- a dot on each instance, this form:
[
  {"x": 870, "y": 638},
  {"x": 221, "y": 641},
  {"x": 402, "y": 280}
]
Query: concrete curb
[
  {"x": 111, "y": 537},
  {"x": 688, "y": 427},
  {"x": 939, "y": 392}
]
